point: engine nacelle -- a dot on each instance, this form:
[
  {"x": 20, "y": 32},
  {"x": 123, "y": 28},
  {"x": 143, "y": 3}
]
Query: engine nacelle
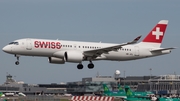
[
  {"x": 56, "y": 60},
  {"x": 73, "y": 56},
  {"x": 59, "y": 54}
]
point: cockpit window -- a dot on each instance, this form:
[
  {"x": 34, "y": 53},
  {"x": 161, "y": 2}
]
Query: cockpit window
[
  {"x": 15, "y": 43},
  {"x": 11, "y": 43}
]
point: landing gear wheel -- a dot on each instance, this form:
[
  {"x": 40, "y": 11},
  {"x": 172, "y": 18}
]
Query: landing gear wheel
[
  {"x": 91, "y": 66},
  {"x": 80, "y": 66},
  {"x": 17, "y": 62}
]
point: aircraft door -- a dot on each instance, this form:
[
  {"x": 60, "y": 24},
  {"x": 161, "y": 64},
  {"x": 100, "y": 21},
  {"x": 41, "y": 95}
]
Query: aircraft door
[
  {"x": 28, "y": 44},
  {"x": 136, "y": 51}
]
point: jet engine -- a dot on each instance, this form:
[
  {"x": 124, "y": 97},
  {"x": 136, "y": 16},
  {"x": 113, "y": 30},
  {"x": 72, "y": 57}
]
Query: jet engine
[
  {"x": 56, "y": 60},
  {"x": 69, "y": 56},
  {"x": 73, "y": 56}
]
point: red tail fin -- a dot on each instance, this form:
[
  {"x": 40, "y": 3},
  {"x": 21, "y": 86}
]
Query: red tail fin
[{"x": 157, "y": 33}]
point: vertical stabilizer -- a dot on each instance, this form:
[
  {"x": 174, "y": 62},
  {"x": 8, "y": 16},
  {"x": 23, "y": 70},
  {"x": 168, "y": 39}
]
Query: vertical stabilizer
[
  {"x": 156, "y": 35},
  {"x": 120, "y": 88},
  {"x": 106, "y": 89},
  {"x": 128, "y": 91}
]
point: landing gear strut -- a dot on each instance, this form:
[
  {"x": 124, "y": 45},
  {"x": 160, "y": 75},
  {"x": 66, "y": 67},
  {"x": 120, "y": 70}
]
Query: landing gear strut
[
  {"x": 90, "y": 65},
  {"x": 17, "y": 62}
]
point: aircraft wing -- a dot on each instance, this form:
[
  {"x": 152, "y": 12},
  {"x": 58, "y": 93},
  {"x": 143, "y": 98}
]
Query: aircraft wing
[
  {"x": 97, "y": 52},
  {"x": 162, "y": 49}
]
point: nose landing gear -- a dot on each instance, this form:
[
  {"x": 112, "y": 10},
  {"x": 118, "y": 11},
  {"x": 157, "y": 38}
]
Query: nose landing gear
[{"x": 17, "y": 62}]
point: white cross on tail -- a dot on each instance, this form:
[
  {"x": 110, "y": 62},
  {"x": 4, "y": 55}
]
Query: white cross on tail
[{"x": 157, "y": 33}]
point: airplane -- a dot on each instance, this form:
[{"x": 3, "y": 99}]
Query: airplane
[
  {"x": 67, "y": 95},
  {"x": 61, "y": 51},
  {"x": 1, "y": 94},
  {"x": 137, "y": 93},
  {"x": 145, "y": 96},
  {"x": 9, "y": 94},
  {"x": 21, "y": 94},
  {"x": 121, "y": 93},
  {"x": 131, "y": 96}
]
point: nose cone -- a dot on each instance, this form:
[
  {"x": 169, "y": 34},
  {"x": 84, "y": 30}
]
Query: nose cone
[{"x": 6, "y": 49}]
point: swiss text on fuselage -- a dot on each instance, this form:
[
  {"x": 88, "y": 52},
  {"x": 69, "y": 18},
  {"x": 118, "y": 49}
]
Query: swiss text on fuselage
[{"x": 47, "y": 44}]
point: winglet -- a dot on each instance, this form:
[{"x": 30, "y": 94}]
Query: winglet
[{"x": 135, "y": 40}]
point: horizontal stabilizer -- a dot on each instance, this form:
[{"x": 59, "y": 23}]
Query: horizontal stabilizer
[{"x": 162, "y": 49}]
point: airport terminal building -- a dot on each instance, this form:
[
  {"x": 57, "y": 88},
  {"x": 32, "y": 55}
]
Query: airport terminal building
[{"x": 164, "y": 84}]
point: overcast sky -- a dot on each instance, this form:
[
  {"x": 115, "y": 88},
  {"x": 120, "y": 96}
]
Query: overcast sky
[{"x": 112, "y": 21}]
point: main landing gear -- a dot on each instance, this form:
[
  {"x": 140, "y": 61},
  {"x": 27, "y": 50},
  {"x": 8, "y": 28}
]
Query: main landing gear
[
  {"x": 17, "y": 62},
  {"x": 80, "y": 66},
  {"x": 90, "y": 65}
]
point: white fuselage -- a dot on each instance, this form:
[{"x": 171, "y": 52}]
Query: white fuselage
[
  {"x": 47, "y": 48},
  {"x": 60, "y": 51}
]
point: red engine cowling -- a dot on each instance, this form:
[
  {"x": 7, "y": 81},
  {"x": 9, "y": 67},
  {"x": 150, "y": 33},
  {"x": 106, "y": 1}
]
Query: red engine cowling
[{"x": 56, "y": 60}]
